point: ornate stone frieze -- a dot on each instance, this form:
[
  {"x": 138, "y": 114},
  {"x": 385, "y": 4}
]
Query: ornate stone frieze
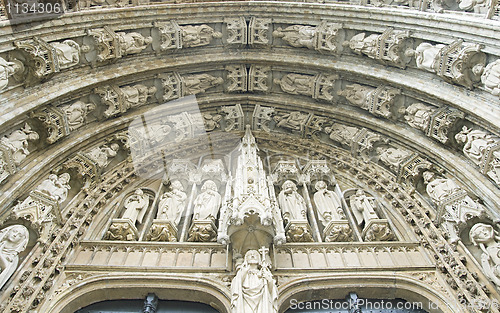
[
  {"x": 236, "y": 31},
  {"x": 323, "y": 38},
  {"x": 234, "y": 117},
  {"x": 109, "y": 45},
  {"x": 434, "y": 122},
  {"x": 378, "y": 101},
  {"x": 320, "y": 86},
  {"x": 458, "y": 63},
  {"x": 121, "y": 99},
  {"x": 259, "y": 78},
  {"x": 237, "y": 78},
  {"x": 262, "y": 117},
  {"x": 259, "y": 31},
  {"x": 173, "y": 36},
  {"x": 388, "y": 47}
]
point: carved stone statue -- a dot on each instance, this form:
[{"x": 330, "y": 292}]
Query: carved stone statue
[
  {"x": 101, "y": 155},
  {"x": 487, "y": 239},
  {"x": 341, "y": 133},
  {"x": 136, "y": 206},
  {"x": 426, "y": 56},
  {"x": 297, "y": 35},
  {"x": 253, "y": 289},
  {"x": 476, "y": 142},
  {"x": 68, "y": 53},
  {"x": 136, "y": 95},
  {"x": 328, "y": 204},
  {"x": 56, "y": 187},
  {"x": 293, "y": 206},
  {"x": 200, "y": 35},
  {"x": 439, "y": 188},
  {"x": 392, "y": 157},
  {"x": 13, "y": 240},
  {"x": 17, "y": 142},
  {"x": 364, "y": 45},
  {"x": 207, "y": 203},
  {"x": 356, "y": 94},
  {"x": 363, "y": 207},
  {"x": 195, "y": 84},
  {"x": 293, "y": 120},
  {"x": 76, "y": 113},
  {"x": 133, "y": 42},
  {"x": 296, "y": 84},
  {"x": 418, "y": 115},
  {"x": 490, "y": 77},
  {"x": 172, "y": 203},
  {"x": 7, "y": 69}
]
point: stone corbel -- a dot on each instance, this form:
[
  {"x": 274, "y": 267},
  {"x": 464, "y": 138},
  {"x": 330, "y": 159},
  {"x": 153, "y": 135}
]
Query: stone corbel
[
  {"x": 259, "y": 31},
  {"x": 262, "y": 117},
  {"x": 234, "y": 117},
  {"x": 236, "y": 31},
  {"x": 56, "y": 122}
]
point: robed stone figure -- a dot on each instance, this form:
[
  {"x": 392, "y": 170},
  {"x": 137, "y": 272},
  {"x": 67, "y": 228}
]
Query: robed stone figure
[
  {"x": 291, "y": 203},
  {"x": 172, "y": 203},
  {"x": 328, "y": 204},
  {"x": 363, "y": 207},
  {"x": 136, "y": 206},
  {"x": 13, "y": 240},
  {"x": 207, "y": 203},
  {"x": 253, "y": 289}
]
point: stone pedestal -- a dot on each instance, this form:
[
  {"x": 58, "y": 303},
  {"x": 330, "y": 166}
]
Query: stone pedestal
[
  {"x": 122, "y": 229},
  {"x": 162, "y": 230},
  {"x": 298, "y": 231},
  {"x": 378, "y": 230},
  {"x": 203, "y": 231},
  {"x": 337, "y": 231}
]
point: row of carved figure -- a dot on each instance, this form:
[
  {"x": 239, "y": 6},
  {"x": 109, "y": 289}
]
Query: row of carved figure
[
  {"x": 488, "y": 9},
  {"x": 459, "y": 63}
]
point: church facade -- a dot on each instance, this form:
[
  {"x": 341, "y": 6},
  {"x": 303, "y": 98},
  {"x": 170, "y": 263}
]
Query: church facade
[{"x": 250, "y": 156}]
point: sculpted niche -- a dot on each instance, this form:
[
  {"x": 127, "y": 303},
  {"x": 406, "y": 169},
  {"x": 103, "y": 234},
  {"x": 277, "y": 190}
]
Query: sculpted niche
[
  {"x": 253, "y": 289},
  {"x": 13, "y": 240},
  {"x": 293, "y": 206}
]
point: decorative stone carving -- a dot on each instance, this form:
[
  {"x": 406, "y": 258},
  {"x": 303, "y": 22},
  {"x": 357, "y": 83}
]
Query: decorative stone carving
[
  {"x": 374, "y": 228},
  {"x": 237, "y": 78},
  {"x": 454, "y": 62},
  {"x": 162, "y": 230},
  {"x": 172, "y": 86},
  {"x": 207, "y": 203},
  {"x": 121, "y": 229},
  {"x": 259, "y": 78},
  {"x": 56, "y": 122},
  {"x": 342, "y": 134},
  {"x": 13, "y": 240},
  {"x": 393, "y": 157},
  {"x": 293, "y": 206},
  {"x": 259, "y": 31},
  {"x": 195, "y": 84},
  {"x": 173, "y": 36},
  {"x": 455, "y": 207},
  {"x": 321, "y": 38},
  {"x": 76, "y": 113},
  {"x": 136, "y": 206},
  {"x": 237, "y": 31},
  {"x": 477, "y": 6},
  {"x": 121, "y": 99},
  {"x": 172, "y": 203},
  {"x": 68, "y": 53},
  {"x": 102, "y": 155},
  {"x": 8, "y": 69},
  {"x": 388, "y": 47},
  {"x": 203, "y": 231},
  {"x": 364, "y": 141},
  {"x": 234, "y": 117},
  {"x": 490, "y": 77},
  {"x": 261, "y": 117},
  {"x": 377, "y": 101},
  {"x": 132, "y": 43},
  {"x": 14, "y": 146},
  {"x": 338, "y": 231},
  {"x": 294, "y": 121},
  {"x": 328, "y": 204},
  {"x": 418, "y": 115},
  {"x": 487, "y": 239},
  {"x": 56, "y": 187},
  {"x": 185, "y": 126},
  {"x": 253, "y": 289},
  {"x": 320, "y": 86},
  {"x": 411, "y": 169}
]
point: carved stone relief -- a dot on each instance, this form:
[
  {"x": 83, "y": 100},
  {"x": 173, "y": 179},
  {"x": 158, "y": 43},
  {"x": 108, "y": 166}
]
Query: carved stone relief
[
  {"x": 378, "y": 101},
  {"x": 7, "y": 70},
  {"x": 236, "y": 31},
  {"x": 13, "y": 240},
  {"x": 173, "y": 36},
  {"x": 15, "y": 146},
  {"x": 259, "y": 31},
  {"x": 490, "y": 77},
  {"x": 76, "y": 113},
  {"x": 319, "y": 86},
  {"x": 487, "y": 239},
  {"x": 323, "y": 38},
  {"x": 121, "y": 99},
  {"x": 234, "y": 117}
]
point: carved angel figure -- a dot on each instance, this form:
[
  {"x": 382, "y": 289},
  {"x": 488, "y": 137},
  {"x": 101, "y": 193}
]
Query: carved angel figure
[
  {"x": 297, "y": 35},
  {"x": 207, "y": 203},
  {"x": 136, "y": 206},
  {"x": 13, "y": 240},
  {"x": 476, "y": 142},
  {"x": 196, "y": 84},
  {"x": 7, "y": 69},
  {"x": 328, "y": 204},
  {"x": 76, "y": 113},
  {"x": 133, "y": 42},
  {"x": 418, "y": 115},
  {"x": 17, "y": 142},
  {"x": 68, "y": 53},
  {"x": 487, "y": 239},
  {"x": 56, "y": 187},
  {"x": 101, "y": 155},
  {"x": 293, "y": 206},
  {"x": 200, "y": 35},
  {"x": 253, "y": 289},
  {"x": 172, "y": 203},
  {"x": 363, "y": 207}
]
